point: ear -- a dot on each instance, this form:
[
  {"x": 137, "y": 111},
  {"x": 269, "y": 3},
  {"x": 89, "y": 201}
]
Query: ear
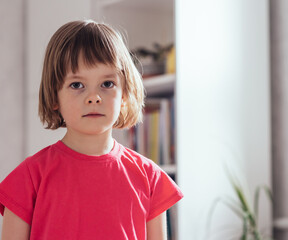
[{"x": 55, "y": 107}]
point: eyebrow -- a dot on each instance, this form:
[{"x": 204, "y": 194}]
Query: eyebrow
[
  {"x": 72, "y": 76},
  {"x": 75, "y": 76},
  {"x": 78, "y": 77},
  {"x": 113, "y": 75}
]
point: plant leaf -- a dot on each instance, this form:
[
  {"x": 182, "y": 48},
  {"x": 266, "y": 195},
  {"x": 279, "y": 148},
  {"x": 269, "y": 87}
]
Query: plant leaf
[
  {"x": 230, "y": 203},
  {"x": 256, "y": 198},
  {"x": 245, "y": 229}
]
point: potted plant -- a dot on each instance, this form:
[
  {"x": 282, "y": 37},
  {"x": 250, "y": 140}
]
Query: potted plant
[
  {"x": 151, "y": 61},
  {"x": 241, "y": 208}
]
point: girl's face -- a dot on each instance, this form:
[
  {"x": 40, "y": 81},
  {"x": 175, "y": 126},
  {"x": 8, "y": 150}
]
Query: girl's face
[{"x": 90, "y": 100}]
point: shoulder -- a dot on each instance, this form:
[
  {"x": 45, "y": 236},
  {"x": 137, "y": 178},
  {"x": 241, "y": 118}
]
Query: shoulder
[
  {"x": 42, "y": 156},
  {"x": 37, "y": 165},
  {"x": 33, "y": 169},
  {"x": 143, "y": 163},
  {"x": 19, "y": 189},
  {"x": 132, "y": 154}
]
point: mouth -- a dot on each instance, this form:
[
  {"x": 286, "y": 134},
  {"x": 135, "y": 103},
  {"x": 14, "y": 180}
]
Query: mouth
[{"x": 93, "y": 115}]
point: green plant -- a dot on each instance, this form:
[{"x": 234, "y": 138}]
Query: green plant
[
  {"x": 242, "y": 209},
  {"x": 158, "y": 53}
]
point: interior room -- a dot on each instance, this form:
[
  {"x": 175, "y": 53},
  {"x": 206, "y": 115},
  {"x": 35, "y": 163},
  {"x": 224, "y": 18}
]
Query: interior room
[{"x": 216, "y": 106}]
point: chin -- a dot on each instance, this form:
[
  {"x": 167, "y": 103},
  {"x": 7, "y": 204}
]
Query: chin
[{"x": 96, "y": 131}]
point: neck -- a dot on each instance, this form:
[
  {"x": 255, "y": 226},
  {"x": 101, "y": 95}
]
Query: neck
[{"x": 94, "y": 145}]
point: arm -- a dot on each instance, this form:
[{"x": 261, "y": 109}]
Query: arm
[
  {"x": 156, "y": 228},
  {"x": 14, "y": 228}
]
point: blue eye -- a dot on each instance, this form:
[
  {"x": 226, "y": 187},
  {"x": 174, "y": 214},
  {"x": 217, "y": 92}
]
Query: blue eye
[
  {"x": 76, "y": 85},
  {"x": 108, "y": 84}
]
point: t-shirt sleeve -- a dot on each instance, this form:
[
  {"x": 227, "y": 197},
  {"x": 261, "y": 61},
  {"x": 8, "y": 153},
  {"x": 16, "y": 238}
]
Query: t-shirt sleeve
[
  {"x": 164, "y": 193},
  {"x": 18, "y": 194}
]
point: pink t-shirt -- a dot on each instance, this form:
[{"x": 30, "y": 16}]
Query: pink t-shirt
[{"x": 64, "y": 194}]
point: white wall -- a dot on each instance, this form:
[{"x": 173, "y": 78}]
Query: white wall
[{"x": 223, "y": 109}]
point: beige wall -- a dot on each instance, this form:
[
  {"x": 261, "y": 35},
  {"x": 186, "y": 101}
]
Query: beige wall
[
  {"x": 279, "y": 90},
  {"x": 12, "y": 81}
]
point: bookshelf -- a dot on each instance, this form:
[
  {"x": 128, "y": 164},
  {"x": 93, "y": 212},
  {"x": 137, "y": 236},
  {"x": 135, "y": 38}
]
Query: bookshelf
[
  {"x": 159, "y": 118},
  {"x": 160, "y": 102}
]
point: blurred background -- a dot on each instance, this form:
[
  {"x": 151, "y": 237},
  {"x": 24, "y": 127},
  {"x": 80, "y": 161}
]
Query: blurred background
[{"x": 216, "y": 80}]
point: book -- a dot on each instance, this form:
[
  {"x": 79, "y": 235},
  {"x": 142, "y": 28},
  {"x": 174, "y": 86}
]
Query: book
[{"x": 154, "y": 135}]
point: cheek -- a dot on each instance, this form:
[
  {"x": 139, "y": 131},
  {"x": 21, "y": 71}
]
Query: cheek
[
  {"x": 67, "y": 108},
  {"x": 116, "y": 103},
  {"x": 119, "y": 101},
  {"x": 115, "y": 98}
]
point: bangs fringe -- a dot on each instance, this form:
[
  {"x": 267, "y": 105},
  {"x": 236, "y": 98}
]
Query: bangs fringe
[{"x": 94, "y": 42}]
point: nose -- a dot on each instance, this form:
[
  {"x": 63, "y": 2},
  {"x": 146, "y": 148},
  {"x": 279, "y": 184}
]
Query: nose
[{"x": 95, "y": 98}]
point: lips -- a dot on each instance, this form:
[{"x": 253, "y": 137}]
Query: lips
[{"x": 93, "y": 115}]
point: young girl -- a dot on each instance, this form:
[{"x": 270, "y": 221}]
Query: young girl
[{"x": 87, "y": 185}]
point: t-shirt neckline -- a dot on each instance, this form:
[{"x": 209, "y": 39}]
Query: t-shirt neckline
[{"x": 112, "y": 155}]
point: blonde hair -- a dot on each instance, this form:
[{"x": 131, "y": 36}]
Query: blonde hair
[{"x": 98, "y": 43}]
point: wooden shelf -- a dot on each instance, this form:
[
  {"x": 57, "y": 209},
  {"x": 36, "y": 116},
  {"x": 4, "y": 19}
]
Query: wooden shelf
[
  {"x": 281, "y": 223},
  {"x": 160, "y": 85},
  {"x": 170, "y": 169}
]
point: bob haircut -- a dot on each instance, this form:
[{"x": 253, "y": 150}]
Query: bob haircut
[{"x": 98, "y": 43}]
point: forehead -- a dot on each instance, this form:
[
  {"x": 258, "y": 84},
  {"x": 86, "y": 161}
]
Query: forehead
[{"x": 97, "y": 71}]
